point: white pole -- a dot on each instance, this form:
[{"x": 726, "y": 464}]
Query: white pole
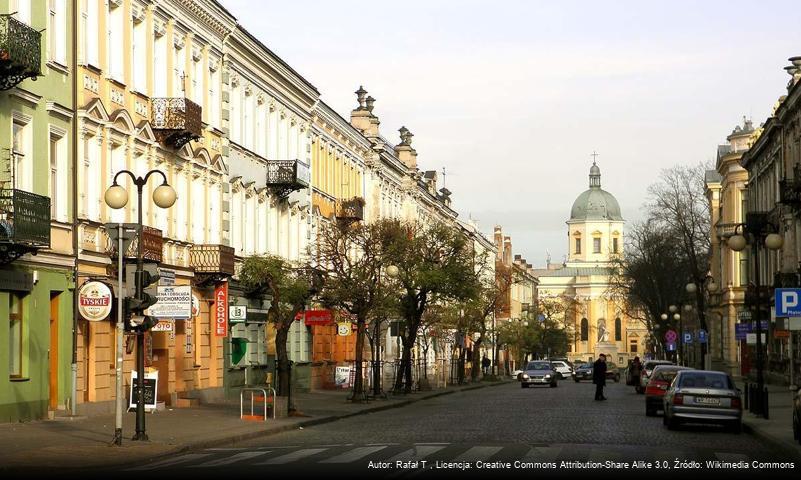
[{"x": 120, "y": 333}]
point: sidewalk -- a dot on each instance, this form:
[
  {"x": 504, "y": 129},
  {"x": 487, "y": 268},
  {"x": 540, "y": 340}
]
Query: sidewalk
[
  {"x": 85, "y": 443},
  {"x": 778, "y": 429}
]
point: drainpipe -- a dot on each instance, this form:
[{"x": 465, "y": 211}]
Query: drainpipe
[{"x": 74, "y": 73}]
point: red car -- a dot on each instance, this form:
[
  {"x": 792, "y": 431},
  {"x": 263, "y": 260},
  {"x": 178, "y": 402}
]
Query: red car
[
  {"x": 647, "y": 367},
  {"x": 658, "y": 383}
]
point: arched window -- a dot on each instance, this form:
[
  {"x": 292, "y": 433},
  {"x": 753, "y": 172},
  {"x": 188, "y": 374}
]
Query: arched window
[
  {"x": 585, "y": 330},
  {"x": 618, "y": 330}
]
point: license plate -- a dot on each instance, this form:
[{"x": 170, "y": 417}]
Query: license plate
[{"x": 707, "y": 401}]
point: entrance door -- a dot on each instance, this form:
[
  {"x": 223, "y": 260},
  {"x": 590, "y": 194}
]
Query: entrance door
[{"x": 53, "y": 353}]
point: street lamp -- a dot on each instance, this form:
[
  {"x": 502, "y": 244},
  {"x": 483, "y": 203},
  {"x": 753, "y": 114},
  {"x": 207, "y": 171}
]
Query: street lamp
[
  {"x": 757, "y": 230},
  {"x": 116, "y": 197}
]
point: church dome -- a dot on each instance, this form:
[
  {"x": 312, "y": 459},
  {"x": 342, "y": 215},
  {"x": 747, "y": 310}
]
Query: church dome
[{"x": 595, "y": 203}]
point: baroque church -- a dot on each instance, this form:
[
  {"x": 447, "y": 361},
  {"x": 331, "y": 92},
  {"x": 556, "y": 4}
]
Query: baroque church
[{"x": 597, "y": 319}]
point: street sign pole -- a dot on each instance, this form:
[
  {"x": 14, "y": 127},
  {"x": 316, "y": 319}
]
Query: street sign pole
[{"x": 120, "y": 333}]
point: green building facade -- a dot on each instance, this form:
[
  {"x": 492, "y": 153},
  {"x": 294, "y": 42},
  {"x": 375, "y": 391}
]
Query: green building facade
[{"x": 36, "y": 208}]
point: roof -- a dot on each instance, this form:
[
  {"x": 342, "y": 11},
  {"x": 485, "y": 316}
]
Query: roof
[
  {"x": 573, "y": 272},
  {"x": 712, "y": 176},
  {"x": 595, "y": 203}
]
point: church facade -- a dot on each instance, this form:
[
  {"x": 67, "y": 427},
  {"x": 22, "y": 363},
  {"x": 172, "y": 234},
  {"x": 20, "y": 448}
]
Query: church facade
[{"x": 594, "y": 314}]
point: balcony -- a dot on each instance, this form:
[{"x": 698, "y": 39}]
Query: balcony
[
  {"x": 176, "y": 121},
  {"x": 211, "y": 262},
  {"x": 350, "y": 210},
  {"x": 152, "y": 246},
  {"x": 24, "y": 223},
  {"x": 286, "y": 176},
  {"x": 726, "y": 230},
  {"x": 20, "y": 52}
]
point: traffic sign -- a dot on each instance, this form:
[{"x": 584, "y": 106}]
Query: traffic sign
[
  {"x": 671, "y": 346},
  {"x": 702, "y": 336},
  {"x": 671, "y": 336},
  {"x": 741, "y": 330},
  {"x": 688, "y": 338},
  {"x": 788, "y": 302}
]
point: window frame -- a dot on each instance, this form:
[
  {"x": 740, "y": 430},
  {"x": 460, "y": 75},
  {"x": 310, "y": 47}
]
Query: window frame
[
  {"x": 20, "y": 318},
  {"x": 578, "y": 246},
  {"x": 596, "y": 245}
]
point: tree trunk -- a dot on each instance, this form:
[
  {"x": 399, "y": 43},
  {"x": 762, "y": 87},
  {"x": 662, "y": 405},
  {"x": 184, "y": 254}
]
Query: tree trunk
[
  {"x": 358, "y": 382},
  {"x": 281, "y": 335}
]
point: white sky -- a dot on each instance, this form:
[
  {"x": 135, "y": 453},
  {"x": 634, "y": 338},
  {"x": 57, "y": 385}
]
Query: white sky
[{"x": 512, "y": 97}]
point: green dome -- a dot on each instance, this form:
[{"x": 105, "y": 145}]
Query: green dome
[{"x": 595, "y": 203}]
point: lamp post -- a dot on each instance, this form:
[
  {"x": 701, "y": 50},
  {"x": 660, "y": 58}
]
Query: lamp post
[
  {"x": 116, "y": 197},
  {"x": 664, "y": 318},
  {"x": 700, "y": 298},
  {"x": 757, "y": 230}
]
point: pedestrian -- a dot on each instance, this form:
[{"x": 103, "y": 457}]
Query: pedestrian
[
  {"x": 485, "y": 364},
  {"x": 599, "y": 376},
  {"x": 635, "y": 370}
]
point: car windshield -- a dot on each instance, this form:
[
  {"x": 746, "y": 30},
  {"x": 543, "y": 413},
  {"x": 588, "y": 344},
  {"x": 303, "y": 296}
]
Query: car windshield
[
  {"x": 652, "y": 365},
  {"x": 538, "y": 366},
  {"x": 704, "y": 380},
  {"x": 665, "y": 374},
  {"x": 586, "y": 365}
]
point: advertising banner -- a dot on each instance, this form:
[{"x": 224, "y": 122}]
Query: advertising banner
[
  {"x": 94, "y": 301},
  {"x": 220, "y": 313}
]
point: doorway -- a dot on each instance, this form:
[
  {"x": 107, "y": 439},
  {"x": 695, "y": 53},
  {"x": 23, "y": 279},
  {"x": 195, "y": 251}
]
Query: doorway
[{"x": 53, "y": 352}]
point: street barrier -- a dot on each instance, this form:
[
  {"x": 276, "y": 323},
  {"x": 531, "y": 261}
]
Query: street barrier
[{"x": 262, "y": 398}]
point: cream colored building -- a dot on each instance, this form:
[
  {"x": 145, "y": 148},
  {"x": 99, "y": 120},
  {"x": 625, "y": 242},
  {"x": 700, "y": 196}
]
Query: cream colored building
[{"x": 595, "y": 236}]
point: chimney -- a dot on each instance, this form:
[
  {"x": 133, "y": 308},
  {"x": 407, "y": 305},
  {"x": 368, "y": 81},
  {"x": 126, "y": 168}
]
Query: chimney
[
  {"x": 404, "y": 150},
  {"x": 362, "y": 118},
  {"x": 507, "y": 250},
  {"x": 498, "y": 237}
]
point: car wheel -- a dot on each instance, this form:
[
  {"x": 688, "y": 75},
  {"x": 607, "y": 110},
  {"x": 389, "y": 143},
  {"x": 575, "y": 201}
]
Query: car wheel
[
  {"x": 639, "y": 390},
  {"x": 650, "y": 411}
]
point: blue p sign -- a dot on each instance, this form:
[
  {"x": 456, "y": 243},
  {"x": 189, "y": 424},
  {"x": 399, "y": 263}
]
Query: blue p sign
[
  {"x": 688, "y": 337},
  {"x": 788, "y": 302}
]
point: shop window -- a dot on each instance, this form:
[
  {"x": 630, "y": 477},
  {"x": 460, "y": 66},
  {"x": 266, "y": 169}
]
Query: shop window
[{"x": 15, "y": 336}]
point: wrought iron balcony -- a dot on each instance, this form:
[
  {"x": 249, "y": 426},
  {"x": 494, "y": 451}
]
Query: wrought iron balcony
[
  {"x": 24, "y": 223},
  {"x": 790, "y": 189},
  {"x": 211, "y": 261},
  {"x": 176, "y": 121},
  {"x": 786, "y": 280},
  {"x": 152, "y": 246},
  {"x": 726, "y": 230},
  {"x": 20, "y": 52},
  {"x": 351, "y": 209},
  {"x": 286, "y": 176}
]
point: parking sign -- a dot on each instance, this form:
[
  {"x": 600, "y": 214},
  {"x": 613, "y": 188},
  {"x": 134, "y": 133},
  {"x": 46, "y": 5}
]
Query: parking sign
[
  {"x": 688, "y": 337},
  {"x": 788, "y": 302}
]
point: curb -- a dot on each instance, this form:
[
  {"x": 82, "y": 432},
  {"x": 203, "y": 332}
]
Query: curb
[
  {"x": 201, "y": 444},
  {"x": 785, "y": 447}
]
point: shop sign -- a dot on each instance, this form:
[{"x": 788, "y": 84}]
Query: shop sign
[
  {"x": 173, "y": 302},
  {"x": 151, "y": 384},
  {"x": 94, "y": 301},
  {"x": 237, "y": 313},
  {"x": 318, "y": 317},
  {"x": 344, "y": 329},
  {"x": 164, "y": 325},
  {"x": 221, "y": 310},
  {"x": 781, "y": 334},
  {"x": 342, "y": 377},
  {"x": 166, "y": 276}
]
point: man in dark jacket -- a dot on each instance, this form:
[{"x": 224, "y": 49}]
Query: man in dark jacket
[{"x": 599, "y": 376}]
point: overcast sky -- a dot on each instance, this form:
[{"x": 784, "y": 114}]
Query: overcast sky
[{"x": 513, "y": 97}]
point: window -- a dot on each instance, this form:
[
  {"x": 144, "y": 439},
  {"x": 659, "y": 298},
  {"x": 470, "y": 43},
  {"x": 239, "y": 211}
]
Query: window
[
  {"x": 15, "y": 336},
  {"x": 22, "y": 9},
  {"x": 179, "y": 64},
  {"x": 615, "y": 245},
  {"x": 198, "y": 82},
  {"x": 21, "y": 146},
  {"x": 53, "y": 180},
  {"x": 744, "y": 267},
  {"x": 159, "y": 66},
  {"x": 214, "y": 102},
  {"x": 90, "y": 24},
  {"x": 578, "y": 246},
  {"x": 633, "y": 346},
  {"x": 114, "y": 45},
  {"x": 596, "y": 245},
  {"x": 618, "y": 330},
  {"x": 139, "y": 56},
  {"x": 56, "y": 31},
  {"x": 117, "y": 215},
  {"x": 585, "y": 330}
]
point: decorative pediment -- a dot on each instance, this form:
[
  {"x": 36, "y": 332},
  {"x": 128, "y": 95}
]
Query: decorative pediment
[
  {"x": 144, "y": 132},
  {"x": 218, "y": 164},
  {"x": 576, "y": 233},
  {"x": 96, "y": 111},
  {"x": 122, "y": 122},
  {"x": 597, "y": 233},
  {"x": 203, "y": 157}
]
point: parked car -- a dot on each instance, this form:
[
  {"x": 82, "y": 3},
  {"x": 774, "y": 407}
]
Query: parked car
[
  {"x": 562, "y": 368},
  {"x": 647, "y": 368},
  {"x": 703, "y": 396},
  {"x": 516, "y": 374},
  {"x": 659, "y": 382},
  {"x": 797, "y": 415},
  {"x": 583, "y": 372},
  {"x": 539, "y": 372},
  {"x": 612, "y": 372}
]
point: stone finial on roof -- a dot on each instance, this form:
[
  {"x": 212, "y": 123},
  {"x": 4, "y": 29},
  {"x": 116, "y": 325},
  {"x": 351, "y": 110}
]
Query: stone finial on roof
[
  {"x": 360, "y": 97},
  {"x": 370, "y": 104}
]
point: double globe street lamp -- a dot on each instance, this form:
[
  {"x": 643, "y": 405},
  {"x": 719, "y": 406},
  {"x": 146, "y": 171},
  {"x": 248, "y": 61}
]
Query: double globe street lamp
[
  {"x": 692, "y": 290},
  {"x": 116, "y": 197},
  {"x": 674, "y": 313},
  {"x": 757, "y": 231}
]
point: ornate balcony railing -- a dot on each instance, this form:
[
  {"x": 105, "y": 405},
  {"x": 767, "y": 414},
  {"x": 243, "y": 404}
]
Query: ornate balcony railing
[
  {"x": 152, "y": 246},
  {"x": 790, "y": 189},
  {"x": 24, "y": 223},
  {"x": 351, "y": 209},
  {"x": 212, "y": 259},
  {"x": 20, "y": 52},
  {"x": 176, "y": 121},
  {"x": 726, "y": 230},
  {"x": 286, "y": 176}
]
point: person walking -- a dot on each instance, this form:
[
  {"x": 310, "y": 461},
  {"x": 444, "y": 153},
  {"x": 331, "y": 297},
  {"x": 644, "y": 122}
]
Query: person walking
[
  {"x": 599, "y": 376},
  {"x": 485, "y": 364}
]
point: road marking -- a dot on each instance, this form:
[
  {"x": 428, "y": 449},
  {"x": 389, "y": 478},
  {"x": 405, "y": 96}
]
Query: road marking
[
  {"x": 542, "y": 454},
  {"x": 294, "y": 456},
  {"x": 173, "y": 461},
  {"x": 478, "y": 453},
  {"x": 225, "y": 449},
  {"x": 416, "y": 453},
  {"x": 231, "y": 459},
  {"x": 353, "y": 455},
  {"x": 732, "y": 457}
]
